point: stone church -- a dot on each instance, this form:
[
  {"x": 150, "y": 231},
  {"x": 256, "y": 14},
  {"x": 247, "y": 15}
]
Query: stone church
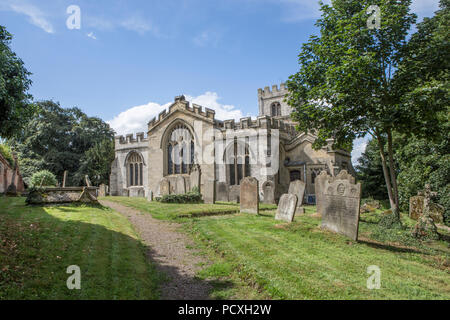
[{"x": 186, "y": 147}]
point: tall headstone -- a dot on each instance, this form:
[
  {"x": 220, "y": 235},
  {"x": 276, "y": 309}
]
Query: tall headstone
[
  {"x": 341, "y": 207},
  {"x": 194, "y": 177},
  {"x": 88, "y": 181},
  {"x": 297, "y": 187},
  {"x": 65, "y": 179},
  {"x": 425, "y": 227},
  {"x": 209, "y": 192},
  {"x": 286, "y": 207},
  {"x": 180, "y": 185},
  {"x": 249, "y": 195},
  {"x": 222, "y": 192},
  {"x": 319, "y": 186},
  {"x": 268, "y": 189},
  {"x": 164, "y": 187}
]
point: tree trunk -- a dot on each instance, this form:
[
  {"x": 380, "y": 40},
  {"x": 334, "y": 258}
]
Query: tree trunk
[
  {"x": 385, "y": 171},
  {"x": 392, "y": 172}
]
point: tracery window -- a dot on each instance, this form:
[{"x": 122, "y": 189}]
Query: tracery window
[
  {"x": 180, "y": 150},
  {"x": 238, "y": 161},
  {"x": 135, "y": 169},
  {"x": 275, "y": 109}
]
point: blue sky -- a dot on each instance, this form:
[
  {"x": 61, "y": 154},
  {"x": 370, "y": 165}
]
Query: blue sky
[{"x": 130, "y": 58}]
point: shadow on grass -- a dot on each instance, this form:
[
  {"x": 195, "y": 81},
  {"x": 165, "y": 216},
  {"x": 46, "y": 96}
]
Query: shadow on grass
[
  {"x": 389, "y": 247},
  {"x": 36, "y": 248}
]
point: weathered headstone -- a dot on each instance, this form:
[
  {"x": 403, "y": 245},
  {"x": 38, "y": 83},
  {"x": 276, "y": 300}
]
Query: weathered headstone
[
  {"x": 268, "y": 188},
  {"x": 180, "y": 185},
  {"x": 195, "y": 178},
  {"x": 416, "y": 209},
  {"x": 87, "y": 197},
  {"x": 65, "y": 179},
  {"x": 150, "y": 195},
  {"x": 209, "y": 191},
  {"x": 297, "y": 187},
  {"x": 222, "y": 192},
  {"x": 164, "y": 187},
  {"x": 249, "y": 195},
  {"x": 425, "y": 227},
  {"x": 88, "y": 181},
  {"x": 319, "y": 186},
  {"x": 286, "y": 207},
  {"x": 341, "y": 207},
  {"x": 101, "y": 190}
]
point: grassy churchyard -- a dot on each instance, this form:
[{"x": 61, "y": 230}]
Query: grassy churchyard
[{"x": 249, "y": 256}]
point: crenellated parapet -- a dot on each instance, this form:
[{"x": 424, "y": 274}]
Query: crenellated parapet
[
  {"x": 262, "y": 122},
  {"x": 274, "y": 92},
  {"x": 181, "y": 104},
  {"x": 130, "y": 141}
]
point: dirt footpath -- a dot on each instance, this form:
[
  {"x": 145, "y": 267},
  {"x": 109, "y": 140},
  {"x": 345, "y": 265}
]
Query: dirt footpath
[{"x": 167, "y": 249}]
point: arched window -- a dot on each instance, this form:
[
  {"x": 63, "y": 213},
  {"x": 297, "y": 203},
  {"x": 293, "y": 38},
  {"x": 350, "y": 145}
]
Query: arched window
[
  {"x": 275, "y": 109},
  {"x": 135, "y": 170},
  {"x": 180, "y": 150},
  {"x": 238, "y": 161}
]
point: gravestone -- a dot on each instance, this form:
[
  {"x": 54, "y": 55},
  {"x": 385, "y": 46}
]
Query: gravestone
[
  {"x": 164, "y": 187},
  {"x": 65, "y": 179},
  {"x": 180, "y": 185},
  {"x": 319, "y": 186},
  {"x": 195, "y": 178},
  {"x": 88, "y": 181},
  {"x": 234, "y": 193},
  {"x": 249, "y": 195},
  {"x": 286, "y": 207},
  {"x": 101, "y": 190},
  {"x": 416, "y": 209},
  {"x": 150, "y": 195},
  {"x": 297, "y": 187},
  {"x": 222, "y": 192},
  {"x": 425, "y": 227},
  {"x": 341, "y": 207},
  {"x": 268, "y": 188},
  {"x": 209, "y": 192}
]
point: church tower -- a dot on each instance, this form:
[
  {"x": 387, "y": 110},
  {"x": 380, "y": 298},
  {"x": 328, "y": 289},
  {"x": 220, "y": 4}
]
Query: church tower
[{"x": 271, "y": 102}]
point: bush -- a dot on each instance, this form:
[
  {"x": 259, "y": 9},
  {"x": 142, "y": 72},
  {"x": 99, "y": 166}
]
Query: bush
[
  {"x": 47, "y": 178},
  {"x": 190, "y": 197},
  {"x": 7, "y": 154}
]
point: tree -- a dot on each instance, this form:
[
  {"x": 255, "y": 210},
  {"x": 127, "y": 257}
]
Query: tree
[
  {"x": 370, "y": 172},
  {"x": 59, "y": 139},
  {"x": 15, "y": 106},
  {"x": 347, "y": 86},
  {"x": 44, "y": 178}
]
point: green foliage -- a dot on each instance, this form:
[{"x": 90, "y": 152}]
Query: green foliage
[
  {"x": 190, "y": 197},
  {"x": 370, "y": 172},
  {"x": 47, "y": 178},
  {"x": 15, "y": 108},
  {"x": 5, "y": 151},
  {"x": 59, "y": 139}
]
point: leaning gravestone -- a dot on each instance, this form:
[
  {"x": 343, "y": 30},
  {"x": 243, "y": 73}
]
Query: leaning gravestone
[
  {"x": 341, "y": 207},
  {"x": 268, "y": 188},
  {"x": 249, "y": 195},
  {"x": 286, "y": 207},
  {"x": 180, "y": 185},
  {"x": 209, "y": 192},
  {"x": 297, "y": 187},
  {"x": 64, "y": 179},
  {"x": 222, "y": 192},
  {"x": 88, "y": 181},
  {"x": 164, "y": 187}
]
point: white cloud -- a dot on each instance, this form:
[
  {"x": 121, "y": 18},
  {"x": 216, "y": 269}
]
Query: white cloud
[
  {"x": 207, "y": 38},
  {"x": 92, "y": 36},
  {"x": 139, "y": 25},
  {"x": 359, "y": 146},
  {"x": 136, "y": 118},
  {"x": 34, "y": 14}
]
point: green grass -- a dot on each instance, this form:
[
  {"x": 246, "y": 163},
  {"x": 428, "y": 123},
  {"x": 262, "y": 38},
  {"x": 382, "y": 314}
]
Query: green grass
[
  {"x": 260, "y": 257},
  {"x": 37, "y": 244}
]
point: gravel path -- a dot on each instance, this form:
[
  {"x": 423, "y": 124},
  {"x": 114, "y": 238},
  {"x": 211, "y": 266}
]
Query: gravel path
[{"x": 167, "y": 248}]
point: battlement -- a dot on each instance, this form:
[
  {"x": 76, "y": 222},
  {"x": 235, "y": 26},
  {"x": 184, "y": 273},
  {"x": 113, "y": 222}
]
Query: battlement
[
  {"x": 276, "y": 91},
  {"x": 180, "y": 102},
  {"x": 262, "y": 122},
  {"x": 129, "y": 138}
]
